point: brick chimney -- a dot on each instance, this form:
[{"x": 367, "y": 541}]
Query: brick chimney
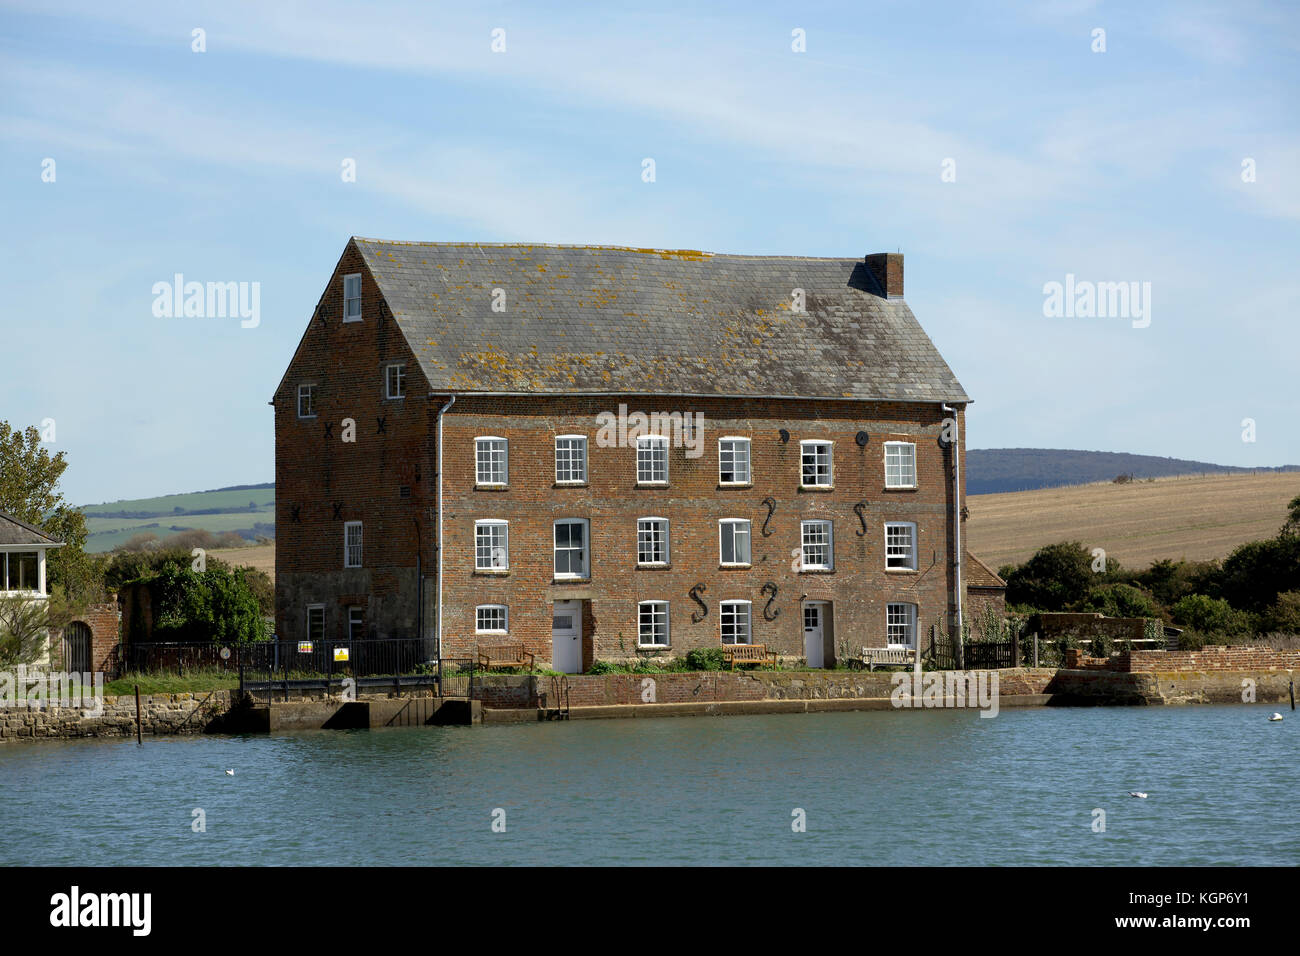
[{"x": 887, "y": 267}]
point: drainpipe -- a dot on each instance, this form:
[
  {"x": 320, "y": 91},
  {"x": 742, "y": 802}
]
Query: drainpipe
[
  {"x": 956, "y": 526},
  {"x": 442, "y": 411}
]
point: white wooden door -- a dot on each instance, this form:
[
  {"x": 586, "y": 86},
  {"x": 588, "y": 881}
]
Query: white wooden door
[
  {"x": 813, "y": 625},
  {"x": 566, "y": 637}
]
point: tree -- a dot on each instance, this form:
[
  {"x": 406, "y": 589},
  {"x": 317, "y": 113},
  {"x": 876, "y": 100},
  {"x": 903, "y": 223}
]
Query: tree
[
  {"x": 213, "y": 605},
  {"x": 1210, "y": 615},
  {"x": 1121, "y": 600},
  {"x": 1258, "y": 571},
  {"x": 1056, "y": 578},
  {"x": 29, "y": 490},
  {"x": 1292, "y": 526},
  {"x": 27, "y": 625}
]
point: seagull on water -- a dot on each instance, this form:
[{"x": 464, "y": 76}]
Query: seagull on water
[
  {"x": 230, "y": 773},
  {"x": 1139, "y": 794},
  {"x": 1276, "y": 716}
]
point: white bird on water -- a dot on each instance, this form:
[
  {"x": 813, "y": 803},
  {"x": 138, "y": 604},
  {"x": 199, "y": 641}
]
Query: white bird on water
[
  {"x": 230, "y": 773},
  {"x": 1138, "y": 793},
  {"x": 1276, "y": 716}
]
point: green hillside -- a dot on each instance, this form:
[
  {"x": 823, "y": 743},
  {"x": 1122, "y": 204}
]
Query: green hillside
[{"x": 248, "y": 510}]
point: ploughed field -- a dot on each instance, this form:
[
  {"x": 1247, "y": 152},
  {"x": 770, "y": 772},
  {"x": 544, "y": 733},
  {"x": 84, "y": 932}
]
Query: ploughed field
[{"x": 1194, "y": 517}]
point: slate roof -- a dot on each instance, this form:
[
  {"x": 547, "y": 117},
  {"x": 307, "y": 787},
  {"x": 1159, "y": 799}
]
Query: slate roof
[
  {"x": 13, "y": 531},
  {"x": 611, "y": 320}
]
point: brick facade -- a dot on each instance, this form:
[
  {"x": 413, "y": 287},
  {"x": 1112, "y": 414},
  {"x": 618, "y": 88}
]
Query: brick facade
[
  {"x": 104, "y": 624},
  {"x": 387, "y": 479}
]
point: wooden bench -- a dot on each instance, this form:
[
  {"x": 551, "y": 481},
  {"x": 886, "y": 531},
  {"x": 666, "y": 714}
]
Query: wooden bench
[
  {"x": 733, "y": 654},
  {"x": 505, "y": 655},
  {"x": 873, "y": 657}
]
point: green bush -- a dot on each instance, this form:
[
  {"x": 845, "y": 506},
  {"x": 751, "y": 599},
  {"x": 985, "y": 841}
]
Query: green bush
[
  {"x": 1056, "y": 578},
  {"x": 603, "y": 667},
  {"x": 1209, "y": 616},
  {"x": 1284, "y": 615},
  {"x": 1121, "y": 600},
  {"x": 213, "y": 605},
  {"x": 704, "y": 659}
]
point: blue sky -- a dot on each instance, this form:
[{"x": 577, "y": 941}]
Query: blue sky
[{"x": 1115, "y": 166}]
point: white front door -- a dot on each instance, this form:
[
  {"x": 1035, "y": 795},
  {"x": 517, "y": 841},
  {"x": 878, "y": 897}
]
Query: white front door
[
  {"x": 566, "y": 637},
  {"x": 812, "y": 633}
]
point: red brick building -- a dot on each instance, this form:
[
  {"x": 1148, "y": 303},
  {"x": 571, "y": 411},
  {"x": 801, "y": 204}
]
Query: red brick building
[{"x": 610, "y": 453}]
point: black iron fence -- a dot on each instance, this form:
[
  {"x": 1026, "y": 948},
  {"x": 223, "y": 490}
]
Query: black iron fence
[
  {"x": 396, "y": 662},
  {"x": 941, "y": 654},
  {"x": 270, "y": 660}
]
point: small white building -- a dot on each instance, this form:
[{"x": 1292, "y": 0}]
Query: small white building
[{"x": 22, "y": 559}]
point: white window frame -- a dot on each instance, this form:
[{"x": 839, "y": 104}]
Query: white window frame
[
  {"x": 728, "y": 608},
  {"x": 739, "y": 442},
  {"x": 815, "y": 524},
  {"x": 658, "y": 527},
  {"x": 352, "y": 298},
  {"x": 321, "y": 635},
  {"x": 348, "y": 545},
  {"x": 400, "y": 369},
  {"x": 356, "y": 614},
  {"x": 651, "y": 443},
  {"x": 478, "y": 461},
  {"x": 11, "y": 571},
  {"x": 490, "y": 526},
  {"x": 585, "y": 572},
  {"x": 912, "y": 547},
  {"x": 892, "y": 608},
  {"x": 894, "y": 445},
  {"x": 830, "y": 463},
  {"x": 749, "y": 538},
  {"x": 310, "y": 393},
  {"x": 582, "y": 446},
  {"x": 505, "y": 619},
  {"x": 657, "y": 609}
]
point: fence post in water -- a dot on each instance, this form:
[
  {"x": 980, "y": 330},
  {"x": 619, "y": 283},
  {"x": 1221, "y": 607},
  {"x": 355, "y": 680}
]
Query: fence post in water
[{"x": 138, "y": 739}]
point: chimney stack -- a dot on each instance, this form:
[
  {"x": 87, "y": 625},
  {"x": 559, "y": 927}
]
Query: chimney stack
[{"x": 887, "y": 267}]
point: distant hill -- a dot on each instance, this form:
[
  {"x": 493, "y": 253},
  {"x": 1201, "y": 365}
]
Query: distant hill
[
  {"x": 248, "y": 510},
  {"x": 1136, "y": 523},
  {"x": 995, "y": 470}
]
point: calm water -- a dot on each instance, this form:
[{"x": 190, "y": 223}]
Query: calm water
[{"x": 935, "y": 787}]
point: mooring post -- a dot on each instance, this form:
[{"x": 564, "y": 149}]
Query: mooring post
[
  {"x": 1035, "y": 648},
  {"x": 138, "y": 738},
  {"x": 1291, "y": 687}
]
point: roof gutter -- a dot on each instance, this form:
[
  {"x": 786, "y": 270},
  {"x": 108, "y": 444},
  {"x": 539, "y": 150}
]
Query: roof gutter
[{"x": 902, "y": 399}]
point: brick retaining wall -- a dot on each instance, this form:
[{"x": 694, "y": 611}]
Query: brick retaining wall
[{"x": 1214, "y": 658}]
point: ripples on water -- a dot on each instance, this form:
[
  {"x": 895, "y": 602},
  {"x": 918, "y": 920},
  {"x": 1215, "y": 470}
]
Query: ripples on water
[{"x": 928, "y": 788}]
